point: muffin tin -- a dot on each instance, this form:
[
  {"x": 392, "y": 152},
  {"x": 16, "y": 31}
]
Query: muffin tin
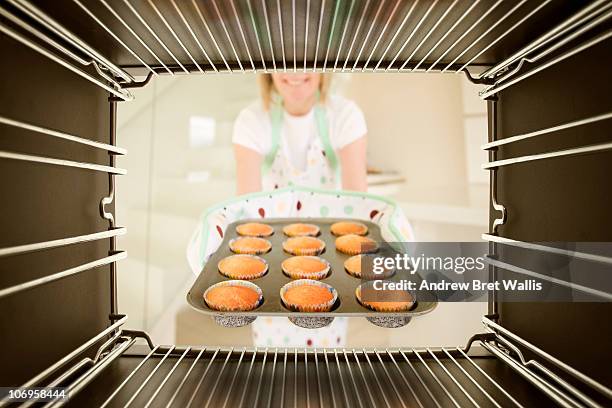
[{"x": 347, "y": 304}]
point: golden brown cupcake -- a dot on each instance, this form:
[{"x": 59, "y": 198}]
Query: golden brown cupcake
[
  {"x": 362, "y": 266},
  {"x": 352, "y": 244},
  {"x": 303, "y": 246},
  {"x": 242, "y": 267},
  {"x": 254, "y": 229},
  {"x": 250, "y": 245},
  {"x": 301, "y": 230},
  {"x": 306, "y": 295},
  {"x": 348, "y": 227},
  {"x": 305, "y": 267},
  {"x": 233, "y": 296},
  {"x": 385, "y": 301}
]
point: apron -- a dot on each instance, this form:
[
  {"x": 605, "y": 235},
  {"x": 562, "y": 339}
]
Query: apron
[
  {"x": 322, "y": 171},
  {"x": 322, "y": 164}
]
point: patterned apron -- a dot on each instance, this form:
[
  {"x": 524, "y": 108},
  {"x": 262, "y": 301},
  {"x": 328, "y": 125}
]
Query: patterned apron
[
  {"x": 322, "y": 171},
  {"x": 322, "y": 165}
]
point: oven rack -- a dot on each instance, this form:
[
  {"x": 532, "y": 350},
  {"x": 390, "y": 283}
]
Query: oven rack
[
  {"x": 197, "y": 36},
  {"x": 490, "y": 371}
]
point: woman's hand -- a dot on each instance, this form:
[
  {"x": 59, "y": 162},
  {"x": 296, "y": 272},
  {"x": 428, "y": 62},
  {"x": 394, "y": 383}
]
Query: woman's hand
[
  {"x": 248, "y": 169},
  {"x": 353, "y": 161}
]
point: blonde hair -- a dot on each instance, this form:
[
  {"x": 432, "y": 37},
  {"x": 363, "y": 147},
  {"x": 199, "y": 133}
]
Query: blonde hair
[{"x": 266, "y": 86}]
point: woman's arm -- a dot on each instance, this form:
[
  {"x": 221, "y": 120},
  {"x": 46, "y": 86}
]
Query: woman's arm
[
  {"x": 353, "y": 161},
  {"x": 248, "y": 169}
]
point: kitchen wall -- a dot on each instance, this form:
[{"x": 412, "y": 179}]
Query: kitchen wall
[{"x": 424, "y": 136}]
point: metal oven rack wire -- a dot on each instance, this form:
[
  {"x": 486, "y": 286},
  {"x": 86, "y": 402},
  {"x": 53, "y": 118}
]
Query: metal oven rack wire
[
  {"x": 391, "y": 36},
  {"x": 170, "y": 375}
]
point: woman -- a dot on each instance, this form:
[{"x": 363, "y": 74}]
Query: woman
[{"x": 300, "y": 135}]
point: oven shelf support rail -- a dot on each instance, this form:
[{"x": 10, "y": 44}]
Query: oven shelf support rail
[
  {"x": 513, "y": 77},
  {"x": 434, "y": 369},
  {"x": 82, "y": 53},
  {"x": 587, "y": 18}
]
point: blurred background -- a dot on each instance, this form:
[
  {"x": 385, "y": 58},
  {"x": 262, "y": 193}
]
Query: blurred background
[{"x": 424, "y": 137}]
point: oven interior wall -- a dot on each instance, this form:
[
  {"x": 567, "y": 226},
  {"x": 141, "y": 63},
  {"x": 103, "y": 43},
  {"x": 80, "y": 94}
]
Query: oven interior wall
[
  {"x": 560, "y": 199},
  {"x": 42, "y": 202}
]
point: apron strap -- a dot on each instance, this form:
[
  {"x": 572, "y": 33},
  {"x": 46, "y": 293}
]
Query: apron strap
[
  {"x": 276, "y": 116},
  {"x": 323, "y": 130}
]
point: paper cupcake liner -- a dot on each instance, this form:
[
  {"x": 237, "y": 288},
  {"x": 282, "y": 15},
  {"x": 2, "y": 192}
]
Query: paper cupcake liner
[
  {"x": 308, "y": 275},
  {"x": 223, "y": 308},
  {"x": 369, "y": 276},
  {"x": 361, "y": 250},
  {"x": 249, "y": 251},
  {"x": 240, "y": 276},
  {"x": 323, "y": 307},
  {"x": 304, "y": 251},
  {"x": 384, "y": 309},
  {"x": 254, "y": 235},
  {"x": 365, "y": 229},
  {"x": 316, "y": 232}
]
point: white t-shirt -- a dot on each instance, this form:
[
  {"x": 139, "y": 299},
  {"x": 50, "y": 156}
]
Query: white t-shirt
[{"x": 253, "y": 129}]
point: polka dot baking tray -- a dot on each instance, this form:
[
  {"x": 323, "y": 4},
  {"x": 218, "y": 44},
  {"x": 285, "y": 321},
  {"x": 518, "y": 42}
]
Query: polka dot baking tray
[{"x": 274, "y": 281}]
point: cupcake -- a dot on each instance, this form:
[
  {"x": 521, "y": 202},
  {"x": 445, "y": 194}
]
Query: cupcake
[
  {"x": 254, "y": 229},
  {"x": 305, "y": 267},
  {"x": 242, "y": 267},
  {"x": 352, "y": 244},
  {"x": 391, "y": 301},
  {"x": 384, "y": 300},
  {"x": 307, "y": 295},
  {"x": 233, "y": 296},
  {"x": 301, "y": 230},
  {"x": 303, "y": 246},
  {"x": 362, "y": 266},
  {"x": 348, "y": 227},
  {"x": 250, "y": 245}
]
